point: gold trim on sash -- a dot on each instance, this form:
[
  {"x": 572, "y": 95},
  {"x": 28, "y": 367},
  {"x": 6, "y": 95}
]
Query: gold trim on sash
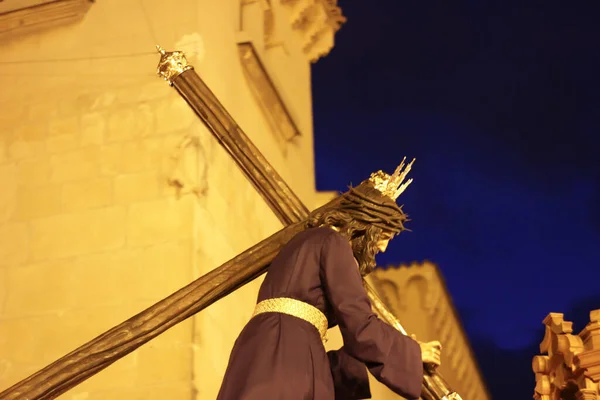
[{"x": 295, "y": 308}]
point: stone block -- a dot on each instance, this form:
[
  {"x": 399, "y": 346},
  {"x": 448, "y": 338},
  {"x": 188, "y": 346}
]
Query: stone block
[
  {"x": 107, "y": 279},
  {"x": 39, "y": 288},
  {"x": 83, "y": 163},
  {"x": 19, "y": 338},
  {"x": 63, "y": 126},
  {"x": 150, "y": 154},
  {"x": 159, "y": 221},
  {"x": 154, "y": 89},
  {"x": 78, "y": 233},
  {"x": 40, "y": 201},
  {"x": 144, "y": 155},
  {"x": 223, "y": 171},
  {"x": 23, "y": 149},
  {"x": 62, "y": 143},
  {"x": 3, "y": 155},
  {"x": 93, "y": 127},
  {"x": 32, "y": 131},
  {"x": 55, "y": 335},
  {"x": 164, "y": 269},
  {"x": 85, "y": 194},
  {"x": 71, "y": 106},
  {"x": 43, "y": 110},
  {"x": 8, "y": 194},
  {"x": 3, "y": 293},
  {"x": 34, "y": 172},
  {"x": 15, "y": 242},
  {"x": 136, "y": 187},
  {"x": 111, "y": 159},
  {"x": 202, "y": 263},
  {"x": 83, "y": 102},
  {"x": 172, "y": 351},
  {"x": 150, "y": 90},
  {"x": 130, "y": 123},
  {"x": 173, "y": 114},
  {"x": 104, "y": 101},
  {"x": 215, "y": 204},
  {"x": 214, "y": 243},
  {"x": 180, "y": 390},
  {"x": 69, "y": 331},
  {"x": 215, "y": 337},
  {"x": 13, "y": 114}
]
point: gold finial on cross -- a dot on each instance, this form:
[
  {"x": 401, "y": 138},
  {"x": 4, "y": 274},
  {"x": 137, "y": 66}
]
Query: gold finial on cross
[{"x": 171, "y": 64}]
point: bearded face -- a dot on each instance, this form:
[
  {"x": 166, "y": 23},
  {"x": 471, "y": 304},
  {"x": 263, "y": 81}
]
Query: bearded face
[
  {"x": 366, "y": 218},
  {"x": 367, "y": 246}
]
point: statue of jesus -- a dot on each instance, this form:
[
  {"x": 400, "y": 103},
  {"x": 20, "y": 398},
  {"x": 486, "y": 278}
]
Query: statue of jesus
[{"x": 315, "y": 283}]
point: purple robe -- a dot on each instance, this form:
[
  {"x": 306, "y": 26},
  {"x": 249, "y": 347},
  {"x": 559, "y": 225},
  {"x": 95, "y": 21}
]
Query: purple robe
[{"x": 281, "y": 357}]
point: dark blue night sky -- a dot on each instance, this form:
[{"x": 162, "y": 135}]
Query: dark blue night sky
[{"x": 499, "y": 102}]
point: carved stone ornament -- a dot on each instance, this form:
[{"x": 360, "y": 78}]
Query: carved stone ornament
[
  {"x": 184, "y": 172},
  {"x": 316, "y": 21}
]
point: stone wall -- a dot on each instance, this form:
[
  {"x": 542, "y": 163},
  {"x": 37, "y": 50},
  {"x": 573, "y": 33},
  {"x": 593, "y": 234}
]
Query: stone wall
[{"x": 90, "y": 230}]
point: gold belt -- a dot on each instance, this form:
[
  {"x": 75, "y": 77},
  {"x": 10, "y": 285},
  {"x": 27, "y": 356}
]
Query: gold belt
[{"x": 295, "y": 308}]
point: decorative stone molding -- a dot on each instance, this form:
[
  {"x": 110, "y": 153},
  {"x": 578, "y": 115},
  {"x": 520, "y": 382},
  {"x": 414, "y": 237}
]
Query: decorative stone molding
[
  {"x": 261, "y": 29},
  {"x": 571, "y": 367},
  {"x": 274, "y": 33},
  {"x": 21, "y": 16},
  {"x": 392, "y": 284},
  {"x": 316, "y": 21},
  {"x": 267, "y": 96}
]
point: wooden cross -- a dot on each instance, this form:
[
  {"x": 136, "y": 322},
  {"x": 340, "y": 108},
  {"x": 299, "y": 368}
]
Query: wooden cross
[{"x": 99, "y": 353}]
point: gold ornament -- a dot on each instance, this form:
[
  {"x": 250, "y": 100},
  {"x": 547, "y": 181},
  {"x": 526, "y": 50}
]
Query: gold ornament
[{"x": 392, "y": 186}]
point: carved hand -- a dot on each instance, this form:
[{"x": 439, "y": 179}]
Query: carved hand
[{"x": 431, "y": 352}]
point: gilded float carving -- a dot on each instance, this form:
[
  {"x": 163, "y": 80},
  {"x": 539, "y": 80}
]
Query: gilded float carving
[{"x": 570, "y": 367}]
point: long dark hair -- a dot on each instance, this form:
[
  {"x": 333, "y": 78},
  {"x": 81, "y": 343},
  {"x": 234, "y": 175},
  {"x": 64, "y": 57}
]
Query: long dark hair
[{"x": 363, "y": 236}]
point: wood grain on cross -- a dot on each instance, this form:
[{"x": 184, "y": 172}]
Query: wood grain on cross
[{"x": 89, "y": 359}]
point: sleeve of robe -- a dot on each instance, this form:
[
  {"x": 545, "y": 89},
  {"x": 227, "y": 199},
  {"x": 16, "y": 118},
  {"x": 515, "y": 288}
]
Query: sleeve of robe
[
  {"x": 393, "y": 358},
  {"x": 350, "y": 377}
]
